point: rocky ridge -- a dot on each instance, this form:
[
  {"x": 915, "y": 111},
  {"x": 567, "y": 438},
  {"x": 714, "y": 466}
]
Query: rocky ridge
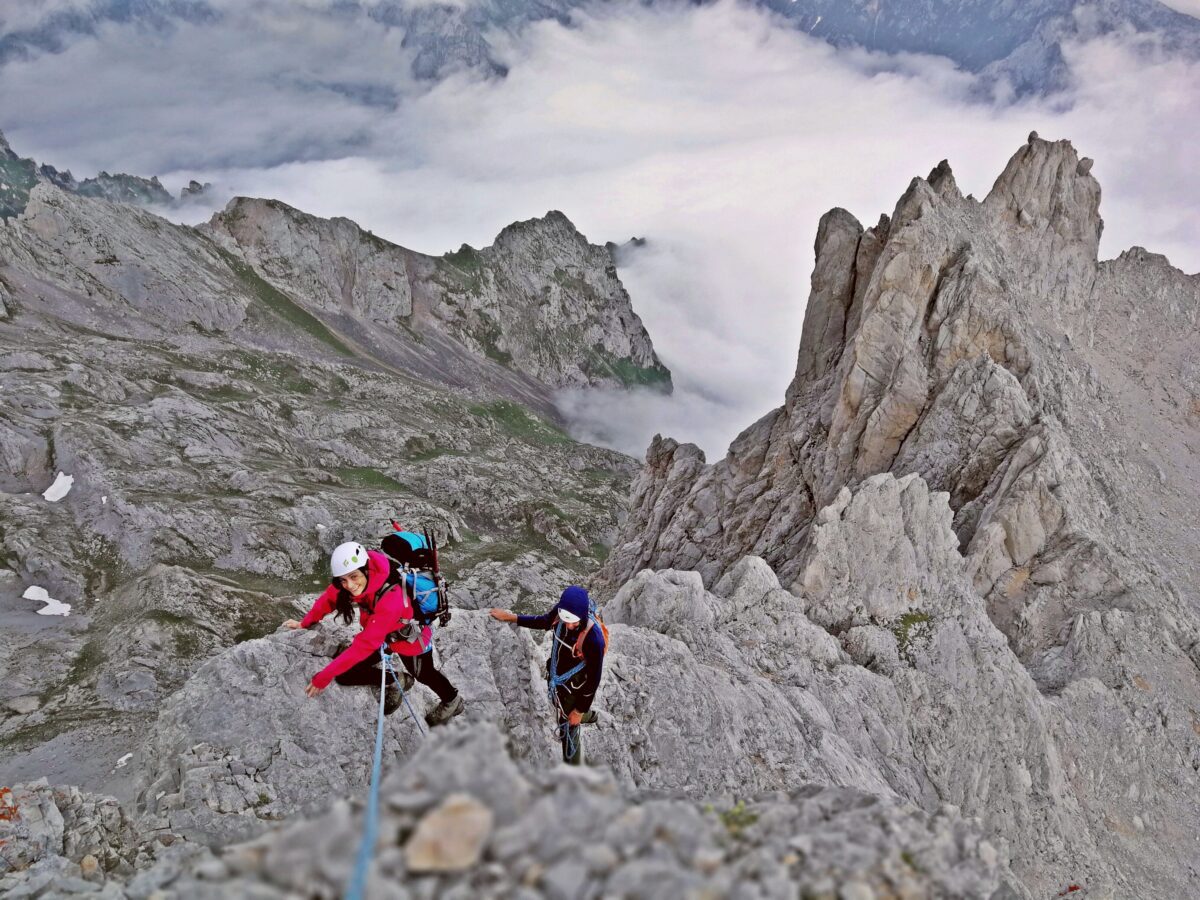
[
  {"x": 19, "y": 175},
  {"x": 541, "y": 300},
  {"x": 470, "y": 822},
  {"x": 982, "y": 346}
]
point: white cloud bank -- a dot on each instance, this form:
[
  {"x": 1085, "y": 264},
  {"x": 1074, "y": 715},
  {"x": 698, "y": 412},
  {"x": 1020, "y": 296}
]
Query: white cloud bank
[{"x": 713, "y": 131}]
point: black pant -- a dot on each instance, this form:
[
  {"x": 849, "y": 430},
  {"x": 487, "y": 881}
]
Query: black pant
[
  {"x": 419, "y": 667},
  {"x": 571, "y": 735}
]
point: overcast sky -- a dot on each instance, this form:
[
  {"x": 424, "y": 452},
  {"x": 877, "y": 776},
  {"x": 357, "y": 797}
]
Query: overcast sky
[{"x": 712, "y": 131}]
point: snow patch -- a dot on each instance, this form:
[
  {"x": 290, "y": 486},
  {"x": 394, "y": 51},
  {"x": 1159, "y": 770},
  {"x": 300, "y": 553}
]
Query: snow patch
[
  {"x": 52, "y": 608},
  {"x": 104, "y": 500},
  {"x": 121, "y": 763},
  {"x": 60, "y": 488}
]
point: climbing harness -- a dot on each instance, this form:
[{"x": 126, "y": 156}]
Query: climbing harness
[
  {"x": 556, "y": 681},
  {"x": 358, "y": 879}
]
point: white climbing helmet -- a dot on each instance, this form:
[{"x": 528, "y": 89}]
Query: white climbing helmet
[{"x": 347, "y": 557}]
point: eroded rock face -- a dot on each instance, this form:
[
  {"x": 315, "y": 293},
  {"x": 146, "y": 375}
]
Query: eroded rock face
[
  {"x": 541, "y": 299},
  {"x": 1052, "y": 398},
  {"x": 39, "y": 823}
]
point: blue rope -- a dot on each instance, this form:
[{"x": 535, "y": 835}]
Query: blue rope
[
  {"x": 565, "y": 728},
  {"x": 387, "y": 662},
  {"x": 358, "y": 880},
  {"x": 554, "y": 682}
]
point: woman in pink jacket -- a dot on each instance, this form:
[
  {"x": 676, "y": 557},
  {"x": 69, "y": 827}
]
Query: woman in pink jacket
[{"x": 358, "y": 577}]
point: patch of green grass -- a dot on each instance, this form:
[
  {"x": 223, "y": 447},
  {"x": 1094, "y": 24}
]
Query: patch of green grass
[
  {"x": 466, "y": 259},
  {"x": 737, "y": 818},
  {"x": 284, "y": 307},
  {"x": 368, "y": 479},
  {"x": 20, "y": 175},
  {"x": 223, "y": 394},
  {"x": 272, "y": 369},
  {"x": 432, "y": 453},
  {"x": 84, "y": 666},
  {"x": 518, "y": 422},
  {"x": 910, "y": 861},
  {"x": 188, "y": 644},
  {"x": 489, "y": 339},
  {"x": 601, "y": 362},
  {"x": 903, "y": 627},
  {"x": 600, "y": 552}
]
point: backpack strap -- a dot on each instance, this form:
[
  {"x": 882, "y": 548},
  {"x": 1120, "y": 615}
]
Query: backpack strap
[{"x": 593, "y": 619}]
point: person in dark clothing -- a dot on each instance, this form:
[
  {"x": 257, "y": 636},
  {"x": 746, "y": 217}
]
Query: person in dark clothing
[{"x": 574, "y": 666}]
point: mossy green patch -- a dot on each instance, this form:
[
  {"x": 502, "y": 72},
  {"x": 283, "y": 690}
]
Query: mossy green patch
[
  {"x": 86, "y": 663},
  {"x": 906, "y": 628},
  {"x": 284, "y": 308},
  {"x": 366, "y": 478},
  {"x": 18, "y": 177},
  {"x": 518, "y": 422},
  {"x": 466, "y": 259},
  {"x": 602, "y": 363},
  {"x": 737, "y": 818}
]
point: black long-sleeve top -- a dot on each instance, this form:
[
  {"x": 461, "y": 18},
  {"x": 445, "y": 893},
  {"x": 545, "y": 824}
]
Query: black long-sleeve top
[{"x": 583, "y": 686}]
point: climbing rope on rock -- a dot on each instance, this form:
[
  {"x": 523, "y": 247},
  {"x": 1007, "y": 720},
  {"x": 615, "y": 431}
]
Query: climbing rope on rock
[{"x": 358, "y": 879}]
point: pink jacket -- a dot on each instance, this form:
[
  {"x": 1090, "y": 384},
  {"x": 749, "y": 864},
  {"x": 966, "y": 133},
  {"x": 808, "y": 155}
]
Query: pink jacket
[{"x": 379, "y": 617}]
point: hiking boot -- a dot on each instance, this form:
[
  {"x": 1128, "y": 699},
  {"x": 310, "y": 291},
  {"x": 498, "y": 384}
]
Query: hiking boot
[
  {"x": 444, "y": 712},
  {"x": 392, "y": 698},
  {"x": 591, "y": 717},
  {"x": 406, "y": 680}
]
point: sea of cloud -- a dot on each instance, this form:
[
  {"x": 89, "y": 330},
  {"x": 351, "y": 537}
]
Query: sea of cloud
[{"x": 715, "y": 132}]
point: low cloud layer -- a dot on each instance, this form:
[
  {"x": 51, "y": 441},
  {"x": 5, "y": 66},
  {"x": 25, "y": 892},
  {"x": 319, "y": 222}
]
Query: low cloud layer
[{"x": 715, "y": 132}]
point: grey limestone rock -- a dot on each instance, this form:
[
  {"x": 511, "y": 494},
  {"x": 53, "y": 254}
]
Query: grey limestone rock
[
  {"x": 546, "y": 831},
  {"x": 982, "y": 346}
]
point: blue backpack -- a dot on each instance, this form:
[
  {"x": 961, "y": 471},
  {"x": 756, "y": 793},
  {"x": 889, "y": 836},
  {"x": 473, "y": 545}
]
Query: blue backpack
[{"x": 415, "y": 565}]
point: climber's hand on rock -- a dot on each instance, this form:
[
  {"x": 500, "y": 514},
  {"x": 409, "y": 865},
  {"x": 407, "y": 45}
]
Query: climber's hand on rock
[
  {"x": 291, "y": 624},
  {"x": 503, "y": 615},
  {"x": 312, "y": 690}
]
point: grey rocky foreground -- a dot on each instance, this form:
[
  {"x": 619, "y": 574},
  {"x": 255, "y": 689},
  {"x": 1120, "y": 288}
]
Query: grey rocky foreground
[
  {"x": 720, "y": 695},
  {"x": 504, "y": 832}
]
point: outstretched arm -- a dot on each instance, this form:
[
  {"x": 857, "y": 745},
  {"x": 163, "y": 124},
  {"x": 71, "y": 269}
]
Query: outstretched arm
[
  {"x": 390, "y": 613},
  {"x": 323, "y": 606},
  {"x": 543, "y": 622}
]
